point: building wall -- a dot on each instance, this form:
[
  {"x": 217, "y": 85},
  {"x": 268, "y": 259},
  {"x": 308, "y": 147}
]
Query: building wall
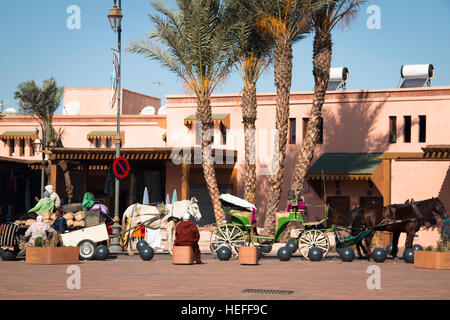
[
  {"x": 354, "y": 121},
  {"x": 140, "y": 131},
  {"x": 95, "y": 101},
  {"x": 421, "y": 180}
]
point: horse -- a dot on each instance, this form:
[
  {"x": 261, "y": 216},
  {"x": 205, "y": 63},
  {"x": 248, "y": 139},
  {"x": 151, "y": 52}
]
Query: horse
[
  {"x": 357, "y": 226},
  {"x": 156, "y": 217},
  {"x": 397, "y": 218}
]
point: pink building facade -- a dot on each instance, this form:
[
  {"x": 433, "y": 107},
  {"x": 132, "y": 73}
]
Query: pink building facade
[{"x": 377, "y": 147}]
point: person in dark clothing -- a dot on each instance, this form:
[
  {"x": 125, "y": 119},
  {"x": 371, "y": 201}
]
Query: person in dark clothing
[
  {"x": 60, "y": 224},
  {"x": 187, "y": 234}
]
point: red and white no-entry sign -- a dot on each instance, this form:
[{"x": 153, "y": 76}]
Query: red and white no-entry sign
[{"x": 121, "y": 167}]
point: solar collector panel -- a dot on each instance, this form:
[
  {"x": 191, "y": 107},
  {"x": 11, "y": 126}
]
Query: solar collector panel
[{"x": 414, "y": 83}]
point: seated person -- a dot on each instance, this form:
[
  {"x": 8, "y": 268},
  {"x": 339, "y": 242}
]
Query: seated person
[
  {"x": 300, "y": 203},
  {"x": 44, "y": 205},
  {"x": 187, "y": 234},
  {"x": 38, "y": 229},
  {"x": 54, "y": 196},
  {"x": 60, "y": 224}
]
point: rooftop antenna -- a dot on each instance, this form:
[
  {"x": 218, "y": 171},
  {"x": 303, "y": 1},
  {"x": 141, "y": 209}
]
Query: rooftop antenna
[{"x": 159, "y": 84}]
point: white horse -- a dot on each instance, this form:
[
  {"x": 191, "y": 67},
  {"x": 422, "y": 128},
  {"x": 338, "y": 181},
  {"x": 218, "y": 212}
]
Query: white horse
[{"x": 151, "y": 217}]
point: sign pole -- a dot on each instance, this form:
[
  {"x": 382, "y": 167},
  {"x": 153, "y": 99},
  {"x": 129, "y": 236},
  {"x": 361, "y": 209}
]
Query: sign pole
[{"x": 115, "y": 243}]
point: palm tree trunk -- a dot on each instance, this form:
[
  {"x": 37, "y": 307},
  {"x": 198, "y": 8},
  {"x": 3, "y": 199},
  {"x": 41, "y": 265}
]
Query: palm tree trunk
[
  {"x": 283, "y": 78},
  {"x": 69, "y": 187},
  {"x": 209, "y": 172},
  {"x": 321, "y": 70},
  {"x": 249, "y": 111}
]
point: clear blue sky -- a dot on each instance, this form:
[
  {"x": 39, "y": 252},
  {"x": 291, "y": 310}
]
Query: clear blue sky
[{"x": 36, "y": 44}]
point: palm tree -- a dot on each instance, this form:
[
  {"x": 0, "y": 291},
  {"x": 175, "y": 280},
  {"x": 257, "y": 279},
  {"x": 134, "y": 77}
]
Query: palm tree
[
  {"x": 195, "y": 45},
  {"x": 324, "y": 21},
  {"x": 253, "y": 55},
  {"x": 41, "y": 103},
  {"x": 285, "y": 21}
]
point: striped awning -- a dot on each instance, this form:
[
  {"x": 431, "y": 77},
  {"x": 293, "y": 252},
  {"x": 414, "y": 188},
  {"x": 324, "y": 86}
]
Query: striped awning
[
  {"x": 105, "y": 134},
  {"x": 103, "y": 155},
  {"x": 18, "y": 135},
  {"x": 345, "y": 166},
  {"x": 223, "y": 118},
  {"x": 437, "y": 151}
]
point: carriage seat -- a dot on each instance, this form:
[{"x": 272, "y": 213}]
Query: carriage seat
[
  {"x": 280, "y": 215},
  {"x": 246, "y": 214}
]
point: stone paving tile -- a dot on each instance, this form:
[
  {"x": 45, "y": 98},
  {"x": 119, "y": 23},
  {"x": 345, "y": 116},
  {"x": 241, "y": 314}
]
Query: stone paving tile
[{"x": 130, "y": 278}]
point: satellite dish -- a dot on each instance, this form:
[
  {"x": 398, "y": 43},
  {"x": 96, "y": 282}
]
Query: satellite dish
[
  {"x": 10, "y": 111},
  {"x": 149, "y": 110},
  {"x": 162, "y": 110},
  {"x": 71, "y": 109}
]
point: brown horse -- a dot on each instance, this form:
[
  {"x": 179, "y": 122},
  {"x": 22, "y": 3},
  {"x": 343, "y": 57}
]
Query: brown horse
[{"x": 397, "y": 218}]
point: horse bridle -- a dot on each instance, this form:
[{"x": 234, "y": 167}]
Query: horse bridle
[{"x": 416, "y": 210}]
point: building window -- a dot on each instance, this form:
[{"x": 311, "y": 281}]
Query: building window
[
  {"x": 305, "y": 126},
  {"x": 108, "y": 143},
  {"x": 12, "y": 143},
  {"x": 422, "y": 128},
  {"x": 22, "y": 147},
  {"x": 407, "y": 129},
  {"x": 223, "y": 131},
  {"x": 98, "y": 142},
  {"x": 292, "y": 130},
  {"x": 392, "y": 129}
]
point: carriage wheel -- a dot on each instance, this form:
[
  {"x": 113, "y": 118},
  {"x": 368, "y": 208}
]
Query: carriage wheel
[
  {"x": 313, "y": 238},
  {"x": 228, "y": 235}
]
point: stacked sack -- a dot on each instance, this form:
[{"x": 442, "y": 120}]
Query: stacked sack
[
  {"x": 48, "y": 218},
  {"x": 75, "y": 220}
]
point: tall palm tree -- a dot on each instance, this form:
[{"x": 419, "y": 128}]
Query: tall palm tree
[
  {"x": 41, "y": 103},
  {"x": 336, "y": 12},
  {"x": 194, "y": 43},
  {"x": 253, "y": 55},
  {"x": 285, "y": 21}
]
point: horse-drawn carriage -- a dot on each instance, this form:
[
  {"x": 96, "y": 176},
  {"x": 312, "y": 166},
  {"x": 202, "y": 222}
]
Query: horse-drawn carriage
[
  {"x": 240, "y": 229},
  {"x": 363, "y": 222}
]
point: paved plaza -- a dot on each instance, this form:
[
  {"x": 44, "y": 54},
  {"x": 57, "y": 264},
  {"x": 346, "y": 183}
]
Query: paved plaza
[{"x": 130, "y": 278}]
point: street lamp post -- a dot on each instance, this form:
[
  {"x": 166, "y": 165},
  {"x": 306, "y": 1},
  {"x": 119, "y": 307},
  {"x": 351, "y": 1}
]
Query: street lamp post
[
  {"x": 115, "y": 19},
  {"x": 39, "y": 147}
]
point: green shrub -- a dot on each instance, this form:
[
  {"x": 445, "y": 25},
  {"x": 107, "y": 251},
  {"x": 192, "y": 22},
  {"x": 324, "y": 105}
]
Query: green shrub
[{"x": 38, "y": 242}]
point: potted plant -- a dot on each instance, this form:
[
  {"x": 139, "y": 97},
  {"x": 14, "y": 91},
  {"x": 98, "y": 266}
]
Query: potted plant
[
  {"x": 439, "y": 259},
  {"x": 49, "y": 252}
]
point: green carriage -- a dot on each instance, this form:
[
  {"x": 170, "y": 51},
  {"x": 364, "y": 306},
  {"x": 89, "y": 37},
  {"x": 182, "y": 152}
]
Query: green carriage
[{"x": 240, "y": 229}]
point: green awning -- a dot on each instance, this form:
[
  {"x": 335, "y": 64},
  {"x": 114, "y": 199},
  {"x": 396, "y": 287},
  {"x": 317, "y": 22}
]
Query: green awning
[
  {"x": 18, "y": 135},
  {"x": 359, "y": 165},
  {"x": 223, "y": 118},
  {"x": 103, "y": 133}
]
